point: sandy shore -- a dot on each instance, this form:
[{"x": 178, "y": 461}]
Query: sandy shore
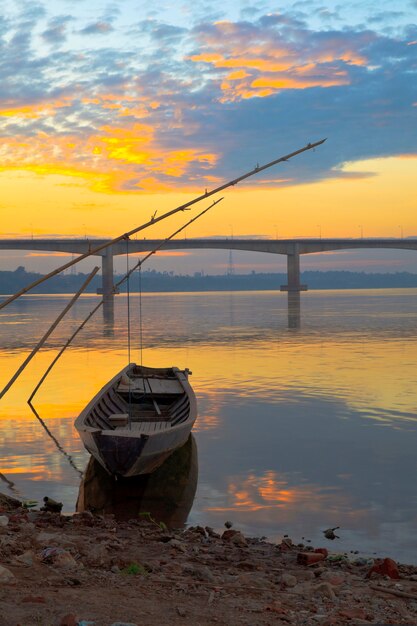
[{"x": 76, "y": 570}]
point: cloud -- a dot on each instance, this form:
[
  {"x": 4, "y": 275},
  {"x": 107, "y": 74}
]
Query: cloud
[
  {"x": 189, "y": 106},
  {"x": 56, "y": 32},
  {"x": 97, "y": 28}
]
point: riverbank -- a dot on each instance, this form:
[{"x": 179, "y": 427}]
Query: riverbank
[
  {"x": 83, "y": 569},
  {"x": 168, "y": 282}
]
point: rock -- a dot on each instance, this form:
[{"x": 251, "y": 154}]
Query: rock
[
  {"x": 385, "y": 567},
  {"x": 288, "y": 580},
  {"x": 198, "y": 530},
  {"x": 309, "y": 558},
  {"x": 65, "y": 560},
  {"x": 329, "y": 533},
  {"x": 179, "y": 545},
  {"x": 325, "y": 590},
  {"x": 4, "y": 520},
  {"x": 51, "y": 505},
  {"x": 181, "y": 612},
  {"x": 228, "y": 524},
  {"x": 200, "y": 573},
  {"x": 8, "y": 504},
  {"x": 26, "y": 558},
  {"x": 235, "y": 537},
  {"x": 318, "y": 571},
  {"x": 6, "y": 576},
  {"x": 122, "y": 624},
  {"x": 286, "y": 541}
]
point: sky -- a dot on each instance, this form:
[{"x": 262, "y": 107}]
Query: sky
[{"x": 110, "y": 111}]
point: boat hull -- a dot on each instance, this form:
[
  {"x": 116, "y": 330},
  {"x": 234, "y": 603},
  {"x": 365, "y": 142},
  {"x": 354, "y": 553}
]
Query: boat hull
[
  {"x": 132, "y": 456},
  {"x": 127, "y": 451}
]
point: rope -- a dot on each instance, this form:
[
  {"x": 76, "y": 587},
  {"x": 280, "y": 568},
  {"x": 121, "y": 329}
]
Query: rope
[
  {"x": 140, "y": 317},
  {"x": 128, "y": 300},
  {"x": 128, "y": 329}
]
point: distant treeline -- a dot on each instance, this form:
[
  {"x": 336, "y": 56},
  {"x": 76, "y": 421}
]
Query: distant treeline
[{"x": 151, "y": 280}]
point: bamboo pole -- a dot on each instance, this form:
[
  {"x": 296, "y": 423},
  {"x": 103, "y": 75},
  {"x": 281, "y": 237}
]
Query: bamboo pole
[
  {"x": 161, "y": 245},
  {"x": 67, "y": 343},
  {"x": 155, "y": 220},
  {"x": 49, "y": 331},
  {"x": 125, "y": 277}
]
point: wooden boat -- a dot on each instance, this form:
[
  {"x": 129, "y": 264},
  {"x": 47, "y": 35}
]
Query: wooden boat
[
  {"x": 167, "y": 494},
  {"x": 138, "y": 419}
]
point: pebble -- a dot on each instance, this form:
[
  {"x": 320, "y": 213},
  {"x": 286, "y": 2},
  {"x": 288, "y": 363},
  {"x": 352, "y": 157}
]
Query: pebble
[
  {"x": 325, "y": 590},
  {"x": 26, "y": 558},
  {"x": 6, "y": 576},
  {"x": 329, "y": 594},
  {"x": 288, "y": 580},
  {"x": 4, "y": 520},
  {"x": 200, "y": 573},
  {"x": 235, "y": 537},
  {"x": 178, "y": 545}
]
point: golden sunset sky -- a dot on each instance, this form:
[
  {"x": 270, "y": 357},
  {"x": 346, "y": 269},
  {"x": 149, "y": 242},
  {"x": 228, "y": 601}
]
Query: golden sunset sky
[{"x": 111, "y": 111}]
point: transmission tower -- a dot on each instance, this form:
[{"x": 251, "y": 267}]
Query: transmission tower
[{"x": 230, "y": 267}]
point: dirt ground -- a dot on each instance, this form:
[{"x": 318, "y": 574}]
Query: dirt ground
[{"x": 82, "y": 570}]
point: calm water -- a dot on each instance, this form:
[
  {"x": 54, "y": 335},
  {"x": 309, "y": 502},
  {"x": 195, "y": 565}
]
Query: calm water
[{"x": 299, "y": 429}]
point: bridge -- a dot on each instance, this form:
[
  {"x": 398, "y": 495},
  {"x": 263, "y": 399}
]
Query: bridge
[{"x": 292, "y": 248}]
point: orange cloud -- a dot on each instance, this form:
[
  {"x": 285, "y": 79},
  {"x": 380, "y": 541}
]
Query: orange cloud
[
  {"x": 47, "y": 254},
  {"x": 108, "y": 160},
  {"x": 261, "y": 66}
]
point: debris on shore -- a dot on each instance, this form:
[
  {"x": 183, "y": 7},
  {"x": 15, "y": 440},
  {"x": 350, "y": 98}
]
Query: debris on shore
[{"x": 90, "y": 570}]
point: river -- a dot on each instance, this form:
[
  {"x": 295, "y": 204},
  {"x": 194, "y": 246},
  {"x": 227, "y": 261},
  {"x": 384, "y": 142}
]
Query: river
[{"x": 301, "y": 427}]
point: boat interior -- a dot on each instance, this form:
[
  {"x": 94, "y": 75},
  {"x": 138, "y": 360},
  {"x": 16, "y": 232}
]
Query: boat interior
[{"x": 142, "y": 402}]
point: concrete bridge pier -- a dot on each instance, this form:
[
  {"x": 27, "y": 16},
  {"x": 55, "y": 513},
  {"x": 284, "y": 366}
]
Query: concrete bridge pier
[
  {"x": 293, "y": 272},
  {"x": 107, "y": 275},
  {"x": 107, "y": 289}
]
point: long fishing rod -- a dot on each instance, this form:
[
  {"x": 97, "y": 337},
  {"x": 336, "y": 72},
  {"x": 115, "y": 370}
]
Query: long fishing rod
[
  {"x": 162, "y": 243},
  {"x": 49, "y": 331},
  {"x": 123, "y": 279},
  {"x": 155, "y": 220},
  {"x": 64, "y": 347}
]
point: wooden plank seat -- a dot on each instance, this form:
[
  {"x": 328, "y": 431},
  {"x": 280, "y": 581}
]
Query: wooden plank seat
[
  {"x": 146, "y": 426},
  {"x": 152, "y": 385},
  {"x": 119, "y": 419},
  {"x": 143, "y": 417}
]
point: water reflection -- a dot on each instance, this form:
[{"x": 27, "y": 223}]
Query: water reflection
[
  {"x": 108, "y": 317},
  {"x": 297, "y": 430},
  {"x": 294, "y": 309},
  {"x": 167, "y": 494}
]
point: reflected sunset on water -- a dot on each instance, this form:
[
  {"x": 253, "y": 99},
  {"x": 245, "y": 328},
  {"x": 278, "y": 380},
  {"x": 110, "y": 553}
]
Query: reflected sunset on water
[{"x": 298, "y": 429}]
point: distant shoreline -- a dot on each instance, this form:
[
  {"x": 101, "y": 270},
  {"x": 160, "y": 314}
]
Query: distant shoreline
[{"x": 164, "y": 282}]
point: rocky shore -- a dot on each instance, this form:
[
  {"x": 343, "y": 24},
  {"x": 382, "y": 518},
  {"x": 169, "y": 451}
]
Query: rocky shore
[{"x": 86, "y": 570}]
